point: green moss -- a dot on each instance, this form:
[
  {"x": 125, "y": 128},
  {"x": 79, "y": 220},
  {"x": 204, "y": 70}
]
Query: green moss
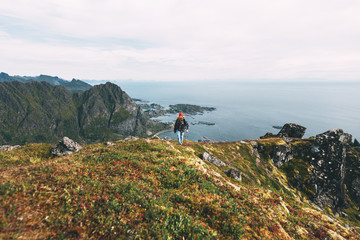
[
  {"x": 120, "y": 115},
  {"x": 297, "y": 173}
]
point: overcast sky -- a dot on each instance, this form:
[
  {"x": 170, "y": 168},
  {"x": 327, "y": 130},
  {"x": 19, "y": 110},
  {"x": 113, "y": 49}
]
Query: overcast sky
[{"x": 182, "y": 40}]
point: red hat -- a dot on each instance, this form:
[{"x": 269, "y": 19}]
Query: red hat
[{"x": 181, "y": 114}]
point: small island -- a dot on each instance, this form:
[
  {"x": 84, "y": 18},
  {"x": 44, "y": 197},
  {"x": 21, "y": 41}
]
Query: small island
[
  {"x": 189, "y": 109},
  {"x": 155, "y": 110},
  {"x": 203, "y": 123}
]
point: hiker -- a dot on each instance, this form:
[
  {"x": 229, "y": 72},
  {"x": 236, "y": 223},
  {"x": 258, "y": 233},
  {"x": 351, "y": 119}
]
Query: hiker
[{"x": 180, "y": 126}]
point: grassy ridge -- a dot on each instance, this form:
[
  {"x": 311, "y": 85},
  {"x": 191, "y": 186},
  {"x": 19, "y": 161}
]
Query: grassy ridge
[{"x": 152, "y": 189}]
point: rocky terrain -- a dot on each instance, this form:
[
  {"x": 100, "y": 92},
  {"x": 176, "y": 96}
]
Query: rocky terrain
[
  {"x": 73, "y": 85},
  {"x": 39, "y": 112},
  {"x": 279, "y": 187}
]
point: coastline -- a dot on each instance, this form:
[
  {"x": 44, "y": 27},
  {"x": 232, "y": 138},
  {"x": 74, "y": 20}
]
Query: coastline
[{"x": 163, "y": 131}]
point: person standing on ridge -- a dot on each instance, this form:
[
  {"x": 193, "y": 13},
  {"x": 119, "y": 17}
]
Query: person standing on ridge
[{"x": 180, "y": 126}]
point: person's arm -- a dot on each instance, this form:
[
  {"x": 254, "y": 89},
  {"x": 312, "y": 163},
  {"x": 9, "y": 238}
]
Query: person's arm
[{"x": 187, "y": 125}]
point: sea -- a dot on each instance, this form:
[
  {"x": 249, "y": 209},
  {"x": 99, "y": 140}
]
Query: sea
[{"x": 248, "y": 110}]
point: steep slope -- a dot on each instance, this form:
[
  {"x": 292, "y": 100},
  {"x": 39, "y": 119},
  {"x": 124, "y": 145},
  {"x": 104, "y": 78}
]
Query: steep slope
[
  {"x": 107, "y": 112},
  {"x": 40, "y": 112},
  {"x": 73, "y": 86},
  {"x": 36, "y": 112},
  {"x": 153, "y": 189},
  {"x": 324, "y": 168}
]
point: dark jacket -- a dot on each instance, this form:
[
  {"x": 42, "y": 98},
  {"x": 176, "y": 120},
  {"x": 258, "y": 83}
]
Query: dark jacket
[{"x": 181, "y": 125}]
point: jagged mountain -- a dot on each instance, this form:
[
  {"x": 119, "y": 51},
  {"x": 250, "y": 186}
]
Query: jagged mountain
[
  {"x": 73, "y": 85},
  {"x": 107, "y": 112},
  {"x": 40, "y": 112}
]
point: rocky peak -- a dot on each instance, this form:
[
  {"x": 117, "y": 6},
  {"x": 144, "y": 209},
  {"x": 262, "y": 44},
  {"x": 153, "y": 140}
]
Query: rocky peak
[
  {"x": 334, "y": 135},
  {"x": 292, "y": 130},
  {"x": 289, "y": 130},
  {"x": 39, "y": 112},
  {"x": 4, "y": 76},
  {"x": 107, "y": 112}
]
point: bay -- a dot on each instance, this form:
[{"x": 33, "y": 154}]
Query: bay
[{"x": 247, "y": 110}]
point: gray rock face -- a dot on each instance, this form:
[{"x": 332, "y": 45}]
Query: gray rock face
[
  {"x": 355, "y": 190},
  {"x": 207, "y": 157},
  {"x": 234, "y": 174},
  {"x": 334, "y": 135},
  {"x": 328, "y": 162},
  {"x": 65, "y": 147},
  {"x": 333, "y": 172},
  {"x": 281, "y": 154},
  {"x": 292, "y": 130}
]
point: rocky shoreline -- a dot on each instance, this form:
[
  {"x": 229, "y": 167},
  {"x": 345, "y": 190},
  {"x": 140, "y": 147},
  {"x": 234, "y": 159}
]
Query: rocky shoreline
[{"x": 153, "y": 110}]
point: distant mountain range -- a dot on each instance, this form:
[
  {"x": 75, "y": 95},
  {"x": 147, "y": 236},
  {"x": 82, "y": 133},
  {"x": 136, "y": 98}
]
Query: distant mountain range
[
  {"x": 40, "y": 112},
  {"x": 74, "y": 85}
]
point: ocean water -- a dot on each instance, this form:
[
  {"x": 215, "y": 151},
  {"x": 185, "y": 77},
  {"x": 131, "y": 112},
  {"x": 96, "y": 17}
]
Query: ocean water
[{"x": 249, "y": 110}]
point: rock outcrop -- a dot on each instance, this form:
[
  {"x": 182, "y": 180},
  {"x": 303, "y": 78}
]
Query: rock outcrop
[
  {"x": 281, "y": 155},
  {"x": 328, "y": 162},
  {"x": 289, "y": 130},
  {"x": 207, "y": 157},
  {"x": 234, "y": 173},
  {"x": 9, "y": 147},
  {"x": 292, "y": 130},
  {"x": 333, "y": 171},
  {"x": 65, "y": 147}
]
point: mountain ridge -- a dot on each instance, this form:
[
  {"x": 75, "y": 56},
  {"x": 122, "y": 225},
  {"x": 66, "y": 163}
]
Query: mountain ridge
[
  {"x": 74, "y": 85},
  {"x": 39, "y": 112}
]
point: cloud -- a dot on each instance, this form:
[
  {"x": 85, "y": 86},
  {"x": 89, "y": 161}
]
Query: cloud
[{"x": 182, "y": 40}]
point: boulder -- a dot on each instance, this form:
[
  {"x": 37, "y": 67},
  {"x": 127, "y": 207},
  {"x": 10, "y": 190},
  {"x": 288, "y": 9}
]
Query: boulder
[
  {"x": 207, "y": 157},
  {"x": 292, "y": 130},
  {"x": 131, "y": 138},
  {"x": 110, "y": 144},
  {"x": 65, "y": 147},
  {"x": 281, "y": 154},
  {"x": 8, "y": 147},
  {"x": 234, "y": 173}
]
